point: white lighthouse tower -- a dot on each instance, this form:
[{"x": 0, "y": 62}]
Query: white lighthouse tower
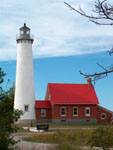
[{"x": 24, "y": 90}]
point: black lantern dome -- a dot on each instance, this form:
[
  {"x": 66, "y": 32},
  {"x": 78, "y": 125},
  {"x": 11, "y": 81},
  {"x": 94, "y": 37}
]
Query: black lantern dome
[{"x": 24, "y": 34}]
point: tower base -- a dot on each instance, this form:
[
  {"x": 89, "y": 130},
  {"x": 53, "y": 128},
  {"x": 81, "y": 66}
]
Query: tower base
[{"x": 25, "y": 122}]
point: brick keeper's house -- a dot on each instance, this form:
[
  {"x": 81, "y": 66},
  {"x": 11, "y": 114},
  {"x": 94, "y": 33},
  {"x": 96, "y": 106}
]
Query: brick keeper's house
[{"x": 71, "y": 103}]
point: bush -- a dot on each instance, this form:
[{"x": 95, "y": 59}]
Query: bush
[
  {"x": 7, "y": 117},
  {"x": 72, "y": 140},
  {"x": 102, "y": 137}
]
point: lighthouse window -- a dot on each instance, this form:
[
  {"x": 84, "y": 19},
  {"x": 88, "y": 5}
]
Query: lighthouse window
[
  {"x": 43, "y": 112},
  {"x": 27, "y": 32},
  {"x": 21, "y": 32},
  {"x": 26, "y": 108}
]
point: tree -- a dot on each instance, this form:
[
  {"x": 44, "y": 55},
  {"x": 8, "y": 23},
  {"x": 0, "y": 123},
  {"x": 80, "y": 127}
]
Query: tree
[
  {"x": 7, "y": 117},
  {"x": 102, "y": 15}
]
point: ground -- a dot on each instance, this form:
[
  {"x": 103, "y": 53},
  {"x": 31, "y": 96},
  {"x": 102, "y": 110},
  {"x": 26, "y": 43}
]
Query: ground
[{"x": 40, "y": 141}]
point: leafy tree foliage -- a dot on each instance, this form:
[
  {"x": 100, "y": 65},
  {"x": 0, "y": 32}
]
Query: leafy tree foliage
[{"x": 7, "y": 116}]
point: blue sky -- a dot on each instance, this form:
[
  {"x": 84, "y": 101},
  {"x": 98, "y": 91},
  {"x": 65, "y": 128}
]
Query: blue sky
[{"x": 64, "y": 43}]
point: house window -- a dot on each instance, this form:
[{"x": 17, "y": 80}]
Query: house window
[
  {"x": 103, "y": 116},
  {"x": 75, "y": 111},
  {"x": 26, "y": 108},
  {"x": 43, "y": 112},
  {"x": 87, "y": 111},
  {"x": 63, "y": 111}
]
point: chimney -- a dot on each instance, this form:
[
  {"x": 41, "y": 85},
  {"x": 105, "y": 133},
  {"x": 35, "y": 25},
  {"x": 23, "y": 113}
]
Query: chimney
[{"x": 89, "y": 82}]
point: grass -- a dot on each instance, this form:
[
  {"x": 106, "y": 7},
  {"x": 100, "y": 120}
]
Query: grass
[
  {"x": 79, "y": 137},
  {"x": 59, "y": 126},
  {"x": 75, "y": 139},
  {"x": 77, "y": 125},
  {"x": 66, "y": 125},
  {"x": 21, "y": 130}
]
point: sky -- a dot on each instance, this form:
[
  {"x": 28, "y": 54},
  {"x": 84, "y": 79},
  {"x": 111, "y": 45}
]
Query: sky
[{"x": 64, "y": 43}]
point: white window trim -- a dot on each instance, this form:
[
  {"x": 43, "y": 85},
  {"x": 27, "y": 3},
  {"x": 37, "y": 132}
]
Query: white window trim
[
  {"x": 61, "y": 111},
  {"x": 86, "y": 113},
  {"x": 41, "y": 113},
  {"x": 103, "y": 114},
  {"x": 24, "y": 108},
  {"x": 73, "y": 111}
]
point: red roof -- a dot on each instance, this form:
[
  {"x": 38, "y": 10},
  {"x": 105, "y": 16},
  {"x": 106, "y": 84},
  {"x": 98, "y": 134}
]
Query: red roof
[
  {"x": 72, "y": 94},
  {"x": 42, "y": 104}
]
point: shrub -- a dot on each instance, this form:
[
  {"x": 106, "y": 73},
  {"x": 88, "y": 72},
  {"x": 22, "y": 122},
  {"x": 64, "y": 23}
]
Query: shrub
[
  {"x": 7, "y": 117},
  {"x": 102, "y": 137}
]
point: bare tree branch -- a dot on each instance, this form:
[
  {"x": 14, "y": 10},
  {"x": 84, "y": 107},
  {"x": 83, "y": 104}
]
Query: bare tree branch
[
  {"x": 96, "y": 74},
  {"x": 101, "y": 66},
  {"x": 100, "y": 75},
  {"x": 111, "y": 51},
  {"x": 102, "y": 8},
  {"x": 102, "y": 15}
]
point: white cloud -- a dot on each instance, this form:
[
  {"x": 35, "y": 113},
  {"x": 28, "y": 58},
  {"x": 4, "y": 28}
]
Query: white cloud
[{"x": 58, "y": 31}]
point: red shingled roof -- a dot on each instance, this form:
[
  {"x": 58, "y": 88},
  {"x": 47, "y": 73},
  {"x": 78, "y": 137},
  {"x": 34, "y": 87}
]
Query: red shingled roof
[
  {"x": 42, "y": 104},
  {"x": 72, "y": 94}
]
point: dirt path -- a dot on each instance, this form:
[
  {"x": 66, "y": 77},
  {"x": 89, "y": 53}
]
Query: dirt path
[{"x": 23, "y": 145}]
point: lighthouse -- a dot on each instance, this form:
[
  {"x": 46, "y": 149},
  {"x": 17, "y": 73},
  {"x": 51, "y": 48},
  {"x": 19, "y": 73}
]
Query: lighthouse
[{"x": 24, "y": 89}]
